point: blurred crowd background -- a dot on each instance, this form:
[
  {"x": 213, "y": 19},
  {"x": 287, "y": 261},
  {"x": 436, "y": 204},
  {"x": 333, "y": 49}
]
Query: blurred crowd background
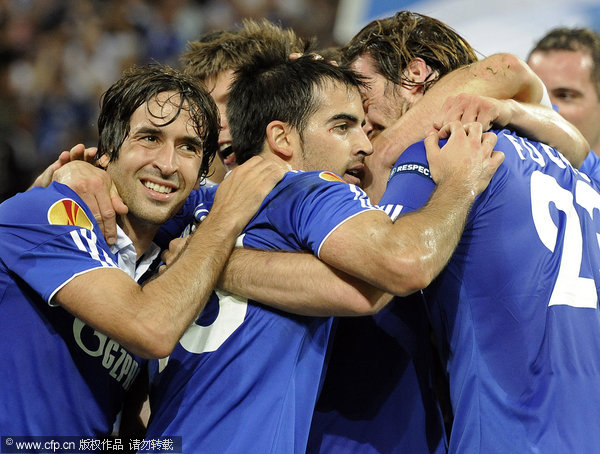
[{"x": 58, "y": 56}]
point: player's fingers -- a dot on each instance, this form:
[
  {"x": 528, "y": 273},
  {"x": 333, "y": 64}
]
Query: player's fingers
[
  {"x": 452, "y": 128},
  {"x": 469, "y": 114},
  {"x": 108, "y": 208},
  {"x": 117, "y": 202},
  {"x": 489, "y": 139},
  {"x": 497, "y": 159},
  {"x": 175, "y": 247},
  {"x": 91, "y": 201},
  {"x": 63, "y": 158},
  {"x": 167, "y": 257},
  {"x": 89, "y": 154},
  {"x": 431, "y": 130},
  {"x": 432, "y": 142},
  {"x": 77, "y": 152},
  {"x": 474, "y": 130}
]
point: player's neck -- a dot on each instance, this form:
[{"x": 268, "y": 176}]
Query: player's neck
[
  {"x": 596, "y": 147},
  {"x": 141, "y": 232},
  {"x": 277, "y": 159}
]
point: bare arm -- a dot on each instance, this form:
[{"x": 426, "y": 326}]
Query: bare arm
[
  {"x": 265, "y": 276},
  {"x": 319, "y": 290},
  {"x": 501, "y": 76},
  {"x": 405, "y": 256},
  {"x": 530, "y": 120},
  {"x": 149, "y": 320},
  {"x": 262, "y": 276}
]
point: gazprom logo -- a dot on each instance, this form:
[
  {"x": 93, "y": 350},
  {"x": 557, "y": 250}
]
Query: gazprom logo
[{"x": 68, "y": 212}]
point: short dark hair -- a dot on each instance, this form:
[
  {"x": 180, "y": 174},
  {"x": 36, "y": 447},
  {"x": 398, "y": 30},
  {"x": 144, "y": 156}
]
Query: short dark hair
[
  {"x": 273, "y": 87},
  {"x": 574, "y": 39},
  {"x": 139, "y": 85},
  {"x": 394, "y": 41}
]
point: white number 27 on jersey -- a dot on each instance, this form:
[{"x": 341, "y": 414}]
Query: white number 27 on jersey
[{"x": 569, "y": 289}]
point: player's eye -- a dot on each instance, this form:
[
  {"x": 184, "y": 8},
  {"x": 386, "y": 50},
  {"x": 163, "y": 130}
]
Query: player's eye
[
  {"x": 342, "y": 127},
  {"x": 189, "y": 148},
  {"x": 566, "y": 95}
]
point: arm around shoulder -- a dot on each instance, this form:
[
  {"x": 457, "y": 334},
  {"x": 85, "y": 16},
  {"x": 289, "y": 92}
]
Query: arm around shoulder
[
  {"x": 149, "y": 320},
  {"x": 299, "y": 283}
]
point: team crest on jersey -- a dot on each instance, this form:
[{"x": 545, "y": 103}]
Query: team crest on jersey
[
  {"x": 68, "y": 212},
  {"x": 329, "y": 176}
]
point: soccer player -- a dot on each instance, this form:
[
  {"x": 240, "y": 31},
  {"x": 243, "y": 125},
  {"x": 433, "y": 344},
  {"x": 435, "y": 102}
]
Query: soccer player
[
  {"x": 393, "y": 130},
  {"x": 515, "y": 312},
  {"x": 353, "y": 416},
  {"x": 416, "y": 420},
  {"x": 264, "y": 367},
  {"x": 568, "y": 62},
  {"x": 74, "y": 323},
  {"x": 215, "y": 57}
]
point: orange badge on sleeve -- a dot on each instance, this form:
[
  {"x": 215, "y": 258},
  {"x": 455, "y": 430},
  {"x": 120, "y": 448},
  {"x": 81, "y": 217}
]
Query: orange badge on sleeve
[
  {"x": 329, "y": 176},
  {"x": 68, "y": 212}
]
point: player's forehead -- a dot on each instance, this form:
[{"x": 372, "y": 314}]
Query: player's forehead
[
  {"x": 161, "y": 111},
  {"x": 219, "y": 85},
  {"x": 551, "y": 59},
  {"x": 335, "y": 98},
  {"x": 375, "y": 82},
  {"x": 563, "y": 69},
  {"x": 365, "y": 64}
]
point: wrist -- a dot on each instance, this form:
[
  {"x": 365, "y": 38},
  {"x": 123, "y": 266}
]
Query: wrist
[{"x": 458, "y": 186}]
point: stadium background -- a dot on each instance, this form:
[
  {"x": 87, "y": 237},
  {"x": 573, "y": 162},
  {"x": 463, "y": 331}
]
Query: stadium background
[{"x": 58, "y": 56}]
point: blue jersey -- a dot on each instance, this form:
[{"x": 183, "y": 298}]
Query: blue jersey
[
  {"x": 591, "y": 166},
  {"x": 58, "y": 376},
  {"x": 245, "y": 377},
  {"x": 196, "y": 207},
  {"x": 516, "y": 308},
  {"x": 378, "y": 396}
]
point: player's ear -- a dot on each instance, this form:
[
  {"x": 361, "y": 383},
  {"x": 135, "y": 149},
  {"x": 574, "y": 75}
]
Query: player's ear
[
  {"x": 281, "y": 139},
  {"x": 417, "y": 71}
]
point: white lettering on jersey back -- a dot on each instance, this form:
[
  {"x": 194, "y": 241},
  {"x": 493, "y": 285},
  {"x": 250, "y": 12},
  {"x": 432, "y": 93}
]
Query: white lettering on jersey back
[
  {"x": 520, "y": 145},
  {"x": 555, "y": 156}
]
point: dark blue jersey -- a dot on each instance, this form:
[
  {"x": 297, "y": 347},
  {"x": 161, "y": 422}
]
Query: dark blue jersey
[
  {"x": 58, "y": 376},
  {"x": 516, "y": 309},
  {"x": 378, "y": 396},
  {"x": 379, "y": 392},
  {"x": 245, "y": 378}
]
